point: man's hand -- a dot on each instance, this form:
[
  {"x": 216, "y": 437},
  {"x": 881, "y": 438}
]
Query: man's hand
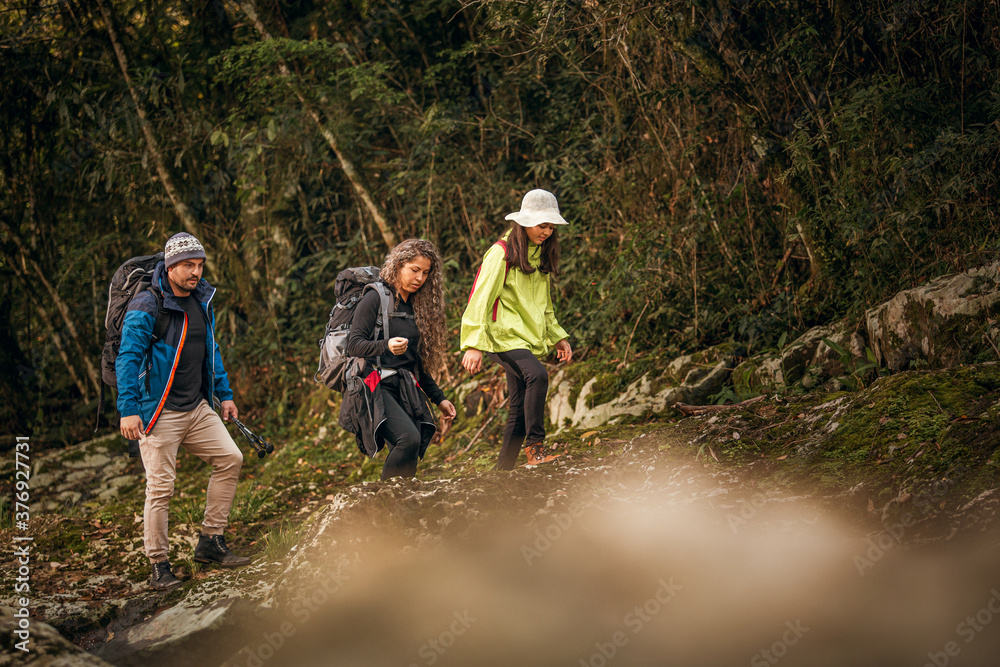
[
  {"x": 473, "y": 360},
  {"x": 448, "y": 409},
  {"x": 131, "y": 427},
  {"x": 229, "y": 411},
  {"x": 563, "y": 351}
]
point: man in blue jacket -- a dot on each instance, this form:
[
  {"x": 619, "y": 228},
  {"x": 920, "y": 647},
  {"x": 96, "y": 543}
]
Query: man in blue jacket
[{"x": 165, "y": 394}]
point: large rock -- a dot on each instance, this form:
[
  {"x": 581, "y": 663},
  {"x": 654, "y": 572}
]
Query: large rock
[
  {"x": 92, "y": 472},
  {"x": 185, "y": 635},
  {"x": 46, "y": 647},
  {"x": 806, "y": 363},
  {"x": 688, "y": 379},
  {"x": 945, "y": 323}
]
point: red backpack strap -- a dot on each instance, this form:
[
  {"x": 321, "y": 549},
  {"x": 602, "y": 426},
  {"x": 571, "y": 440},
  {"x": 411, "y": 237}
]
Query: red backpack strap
[{"x": 502, "y": 244}]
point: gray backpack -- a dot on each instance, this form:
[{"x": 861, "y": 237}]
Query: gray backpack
[{"x": 336, "y": 368}]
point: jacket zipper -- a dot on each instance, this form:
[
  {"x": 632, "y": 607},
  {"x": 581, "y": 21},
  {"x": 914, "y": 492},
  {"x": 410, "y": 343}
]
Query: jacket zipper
[{"x": 170, "y": 380}]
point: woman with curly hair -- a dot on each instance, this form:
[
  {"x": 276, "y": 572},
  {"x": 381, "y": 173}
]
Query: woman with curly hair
[
  {"x": 510, "y": 317},
  {"x": 387, "y": 406}
]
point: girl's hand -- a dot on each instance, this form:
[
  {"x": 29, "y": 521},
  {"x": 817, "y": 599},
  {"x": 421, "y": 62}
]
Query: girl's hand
[
  {"x": 563, "y": 351},
  {"x": 398, "y": 345},
  {"x": 472, "y": 361},
  {"x": 448, "y": 409}
]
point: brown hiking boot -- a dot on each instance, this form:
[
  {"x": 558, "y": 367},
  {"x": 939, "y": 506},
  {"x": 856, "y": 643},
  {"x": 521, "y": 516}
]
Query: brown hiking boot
[{"x": 539, "y": 453}]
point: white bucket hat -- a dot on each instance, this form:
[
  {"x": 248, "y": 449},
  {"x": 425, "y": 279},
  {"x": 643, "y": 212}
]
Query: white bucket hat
[{"x": 537, "y": 207}]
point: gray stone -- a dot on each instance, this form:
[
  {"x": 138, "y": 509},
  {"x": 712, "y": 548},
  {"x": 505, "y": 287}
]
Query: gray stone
[
  {"x": 89, "y": 461},
  {"x": 798, "y": 355},
  {"x": 46, "y": 647},
  {"x": 78, "y": 476},
  {"x": 688, "y": 379},
  {"x": 42, "y": 480},
  {"x": 806, "y": 362},
  {"x": 944, "y": 323},
  {"x": 184, "y": 635},
  {"x": 70, "y": 497},
  {"x": 761, "y": 372}
]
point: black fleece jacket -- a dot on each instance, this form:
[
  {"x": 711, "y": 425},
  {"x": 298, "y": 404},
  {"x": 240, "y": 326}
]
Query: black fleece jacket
[{"x": 376, "y": 352}]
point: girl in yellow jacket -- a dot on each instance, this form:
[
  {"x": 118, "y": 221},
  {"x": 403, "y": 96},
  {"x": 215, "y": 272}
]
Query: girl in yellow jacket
[{"x": 510, "y": 317}]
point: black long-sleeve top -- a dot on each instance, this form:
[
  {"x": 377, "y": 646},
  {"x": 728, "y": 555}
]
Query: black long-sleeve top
[{"x": 360, "y": 343}]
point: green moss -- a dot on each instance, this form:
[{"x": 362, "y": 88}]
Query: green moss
[{"x": 605, "y": 388}]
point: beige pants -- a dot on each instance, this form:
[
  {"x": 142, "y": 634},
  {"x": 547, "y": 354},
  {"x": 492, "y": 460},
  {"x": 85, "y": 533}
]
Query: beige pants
[{"x": 202, "y": 433}]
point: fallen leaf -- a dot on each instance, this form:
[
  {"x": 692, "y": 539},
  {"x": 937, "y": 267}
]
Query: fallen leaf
[
  {"x": 783, "y": 457},
  {"x": 588, "y": 434},
  {"x": 904, "y": 497},
  {"x": 871, "y": 505},
  {"x": 901, "y": 436}
]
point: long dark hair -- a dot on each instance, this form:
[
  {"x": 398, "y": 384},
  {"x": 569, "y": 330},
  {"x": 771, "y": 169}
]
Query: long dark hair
[{"x": 517, "y": 252}]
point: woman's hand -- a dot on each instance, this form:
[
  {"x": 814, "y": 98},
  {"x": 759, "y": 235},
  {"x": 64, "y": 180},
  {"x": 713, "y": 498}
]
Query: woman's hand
[
  {"x": 472, "y": 361},
  {"x": 563, "y": 351},
  {"x": 398, "y": 345},
  {"x": 448, "y": 409}
]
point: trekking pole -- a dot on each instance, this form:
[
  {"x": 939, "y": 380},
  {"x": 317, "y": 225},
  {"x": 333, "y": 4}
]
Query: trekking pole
[
  {"x": 264, "y": 444},
  {"x": 259, "y": 444}
]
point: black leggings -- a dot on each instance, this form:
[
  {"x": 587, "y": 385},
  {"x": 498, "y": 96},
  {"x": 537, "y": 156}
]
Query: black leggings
[
  {"x": 402, "y": 436},
  {"x": 527, "y": 386}
]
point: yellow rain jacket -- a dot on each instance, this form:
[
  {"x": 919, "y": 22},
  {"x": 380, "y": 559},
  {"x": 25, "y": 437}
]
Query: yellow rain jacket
[{"x": 509, "y": 310}]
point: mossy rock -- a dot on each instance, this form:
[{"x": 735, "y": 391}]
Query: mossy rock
[
  {"x": 942, "y": 324},
  {"x": 923, "y": 442}
]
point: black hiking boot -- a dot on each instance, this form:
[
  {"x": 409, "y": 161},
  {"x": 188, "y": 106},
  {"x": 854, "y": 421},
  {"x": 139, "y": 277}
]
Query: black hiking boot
[
  {"x": 163, "y": 579},
  {"x": 213, "y": 549}
]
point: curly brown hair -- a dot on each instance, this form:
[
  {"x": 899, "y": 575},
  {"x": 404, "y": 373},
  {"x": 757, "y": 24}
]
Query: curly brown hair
[{"x": 428, "y": 301}]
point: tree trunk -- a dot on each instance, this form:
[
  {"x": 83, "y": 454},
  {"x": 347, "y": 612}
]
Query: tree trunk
[
  {"x": 345, "y": 164},
  {"x": 57, "y": 340},
  {"x": 182, "y": 209},
  {"x": 92, "y": 374}
]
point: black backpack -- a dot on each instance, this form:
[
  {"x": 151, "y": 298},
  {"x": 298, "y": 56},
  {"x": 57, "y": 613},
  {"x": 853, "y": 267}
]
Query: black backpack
[
  {"x": 335, "y": 366},
  {"x": 131, "y": 278}
]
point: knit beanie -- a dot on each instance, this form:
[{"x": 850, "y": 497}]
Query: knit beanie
[{"x": 182, "y": 246}]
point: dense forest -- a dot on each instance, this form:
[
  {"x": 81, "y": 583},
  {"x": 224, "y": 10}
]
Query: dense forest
[{"x": 732, "y": 171}]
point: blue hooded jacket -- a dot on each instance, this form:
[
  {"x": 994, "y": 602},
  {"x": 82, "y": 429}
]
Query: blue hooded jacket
[{"x": 145, "y": 373}]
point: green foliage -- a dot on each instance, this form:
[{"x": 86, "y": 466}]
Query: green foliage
[{"x": 857, "y": 370}]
